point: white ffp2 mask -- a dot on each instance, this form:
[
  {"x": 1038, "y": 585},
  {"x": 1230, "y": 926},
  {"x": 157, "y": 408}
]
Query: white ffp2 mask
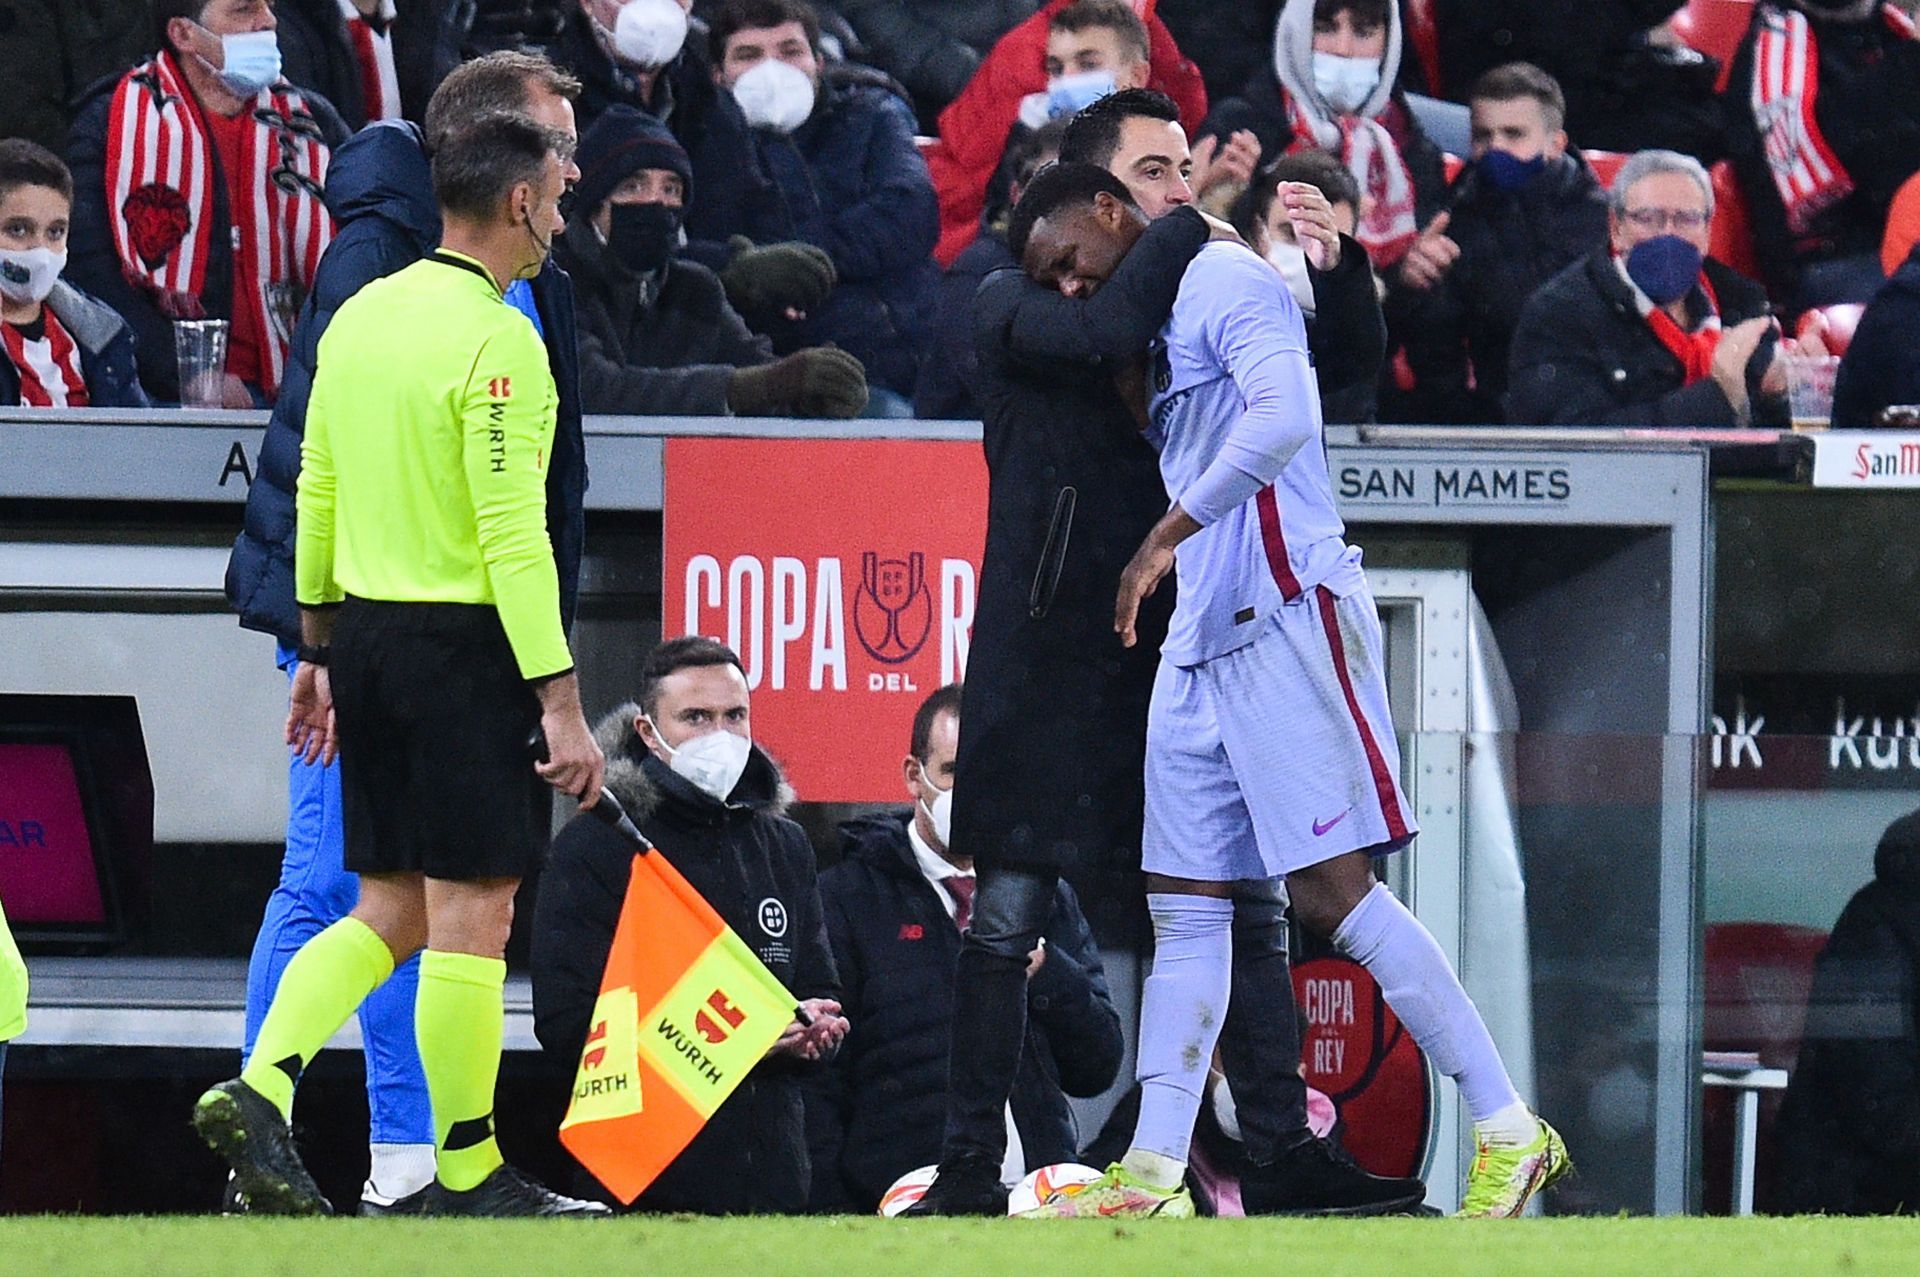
[
  {"x": 774, "y": 95},
  {"x": 712, "y": 763},
  {"x": 28, "y": 275},
  {"x": 650, "y": 33}
]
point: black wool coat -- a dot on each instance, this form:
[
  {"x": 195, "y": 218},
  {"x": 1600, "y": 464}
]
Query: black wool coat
[
  {"x": 1583, "y": 355},
  {"x": 880, "y": 1109},
  {"x": 1053, "y": 719},
  {"x": 751, "y": 1157},
  {"x": 1510, "y": 244},
  {"x": 1849, "y": 1128}
]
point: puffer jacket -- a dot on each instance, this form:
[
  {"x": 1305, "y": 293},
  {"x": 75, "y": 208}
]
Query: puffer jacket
[
  {"x": 756, "y": 868},
  {"x": 380, "y": 191}
]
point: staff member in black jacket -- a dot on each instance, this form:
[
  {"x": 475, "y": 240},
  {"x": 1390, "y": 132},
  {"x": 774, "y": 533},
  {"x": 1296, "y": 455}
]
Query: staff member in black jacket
[
  {"x": 1849, "y": 1131},
  {"x": 1346, "y": 330},
  {"x": 683, "y": 764},
  {"x": 897, "y": 904}
]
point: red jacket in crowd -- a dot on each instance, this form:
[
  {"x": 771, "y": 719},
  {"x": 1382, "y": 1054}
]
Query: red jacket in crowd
[{"x": 975, "y": 125}]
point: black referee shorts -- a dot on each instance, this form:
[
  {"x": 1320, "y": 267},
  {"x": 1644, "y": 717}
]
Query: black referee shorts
[{"x": 433, "y": 719}]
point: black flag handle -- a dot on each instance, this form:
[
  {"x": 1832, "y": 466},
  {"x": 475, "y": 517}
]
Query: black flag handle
[{"x": 608, "y": 810}]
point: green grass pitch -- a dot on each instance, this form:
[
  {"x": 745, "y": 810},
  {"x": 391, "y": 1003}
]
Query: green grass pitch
[{"x": 207, "y": 1247}]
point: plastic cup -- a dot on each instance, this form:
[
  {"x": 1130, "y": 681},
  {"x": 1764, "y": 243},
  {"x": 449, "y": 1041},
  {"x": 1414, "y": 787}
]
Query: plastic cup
[
  {"x": 201, "y": 346},
  {"x": 1810, "y": 389}
]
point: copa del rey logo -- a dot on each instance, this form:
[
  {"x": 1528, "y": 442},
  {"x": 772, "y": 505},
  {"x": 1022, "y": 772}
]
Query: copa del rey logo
[{"x": 788, "y": 617}]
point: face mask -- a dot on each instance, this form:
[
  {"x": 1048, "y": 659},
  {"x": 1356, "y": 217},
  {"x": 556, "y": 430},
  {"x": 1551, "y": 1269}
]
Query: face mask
[
  {"x": 1291, "y": 261},
  {"x": 1072, "y": 93},
  {"x": 1345, "y": 83},
  {"x": 1664, "y": 268},
  {"x": 774, "y": 95},
  {"x": 28, "y": 275},
  {"x": 1507, "y": 173},
  {"x": 940, "y": 812},
  {"x": 249, "y": 62},
  {"x": 712, "y": 763},
  {"x": 642, "y": 237},
  {"x": 649, "y": 33}
]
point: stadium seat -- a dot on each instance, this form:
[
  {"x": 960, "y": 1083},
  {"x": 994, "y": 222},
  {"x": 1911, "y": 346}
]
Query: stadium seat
[
  {"x": 1730, "y": 238},
  {"x": 1835, "y": 324},
  {"x": 1715, "y": 28},
  {"x": 1423, "y": 35},
  {"x": 1758, "y": 976},
  {"x": 1606, "y": 165}
]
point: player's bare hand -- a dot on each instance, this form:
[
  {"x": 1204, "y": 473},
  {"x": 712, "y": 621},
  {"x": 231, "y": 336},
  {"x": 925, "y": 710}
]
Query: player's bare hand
[
  {"x": 1150, "y": 563},
  {"x": 1311, "y": 216},
  {"x": 574, "y": 765},
  {"x": 1431, "y": 257},
  {"x": 310, "y": 715},
  {"x": 1217, "y": 162}
]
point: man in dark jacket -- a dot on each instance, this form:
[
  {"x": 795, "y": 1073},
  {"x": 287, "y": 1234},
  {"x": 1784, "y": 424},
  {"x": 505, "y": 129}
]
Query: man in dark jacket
[
  {"x": 657, "y": 332},
  {"x": 1346, "y": 332},
  {"x": 1650, "y": 331},
  {"x": 157, "y": 233},
  {"x": 1819, "y": 169},
  {"x": 381, "y": 192},
  {"x": 1525, "y": 210},
  {"x": 897, "y": 905},
  {"x": 682, "y": 763},
  {"x": 1849, "y": 1129},
  {"x": 849, "y": 180},
  {"x": 1882, "y": 365},
  {"x": 382, "y": 63}
]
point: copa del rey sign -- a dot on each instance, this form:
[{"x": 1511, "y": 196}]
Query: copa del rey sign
[{"x": 844, "y": 573}]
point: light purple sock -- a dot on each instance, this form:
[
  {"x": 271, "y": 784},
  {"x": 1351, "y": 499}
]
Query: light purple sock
[
  {"x": 1181, "y": 1010},
  {"x": 1419, "y": 984}
]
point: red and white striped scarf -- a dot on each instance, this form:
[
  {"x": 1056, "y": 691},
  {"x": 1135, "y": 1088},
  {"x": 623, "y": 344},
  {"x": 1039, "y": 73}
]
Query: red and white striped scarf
[
  {"x": 373, "y": 55},
  {"x": 162, "y": 173},
  {"x": 50, "y": 374},
  {"x": 1387, "y": 226},
  {"x": 1785, "y": 90}
]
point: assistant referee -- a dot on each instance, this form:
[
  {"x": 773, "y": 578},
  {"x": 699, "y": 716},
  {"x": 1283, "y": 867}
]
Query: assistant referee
[{"x": 432, "y": 647}]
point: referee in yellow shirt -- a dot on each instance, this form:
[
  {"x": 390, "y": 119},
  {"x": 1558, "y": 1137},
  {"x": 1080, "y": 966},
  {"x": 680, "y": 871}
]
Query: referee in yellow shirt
[{"x": 433, "y": 647}]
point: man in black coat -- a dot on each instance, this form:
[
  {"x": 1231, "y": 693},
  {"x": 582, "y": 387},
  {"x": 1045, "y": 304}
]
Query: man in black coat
[
  {"x": 418, "y": 41},
  {"x": 1882, "y": 365},
  {"x": 1649, "y": 332},
  {"x": 897, "y": 905},
  {"x": 682, "y": 763},
  {"x": 1522, "y": 212},
  {"x": 658, "y": 335},
  {"x": 1346, "y": 331},
  {"x": 1849, "y": 1129}
]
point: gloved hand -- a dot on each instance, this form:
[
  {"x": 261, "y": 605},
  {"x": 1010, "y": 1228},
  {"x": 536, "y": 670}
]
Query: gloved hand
[
  {"x": 821, "y": 381},
  {"x": 766, "y": 282}
]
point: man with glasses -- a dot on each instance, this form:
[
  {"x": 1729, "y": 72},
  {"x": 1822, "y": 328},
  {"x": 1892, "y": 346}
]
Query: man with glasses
[{"x": 1649, "y": 331}]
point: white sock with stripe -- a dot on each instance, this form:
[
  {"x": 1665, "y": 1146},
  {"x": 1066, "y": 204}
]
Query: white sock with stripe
[
  {"x": 1419, "y": 984},
  {"x": 1181, "y": 1009}
]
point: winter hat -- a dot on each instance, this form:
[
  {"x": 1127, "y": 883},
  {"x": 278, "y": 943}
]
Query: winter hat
[{"x": 621, "y": 143}]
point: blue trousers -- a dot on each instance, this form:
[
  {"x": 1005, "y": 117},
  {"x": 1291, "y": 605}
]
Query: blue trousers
[{"x": 316, "y": 891}]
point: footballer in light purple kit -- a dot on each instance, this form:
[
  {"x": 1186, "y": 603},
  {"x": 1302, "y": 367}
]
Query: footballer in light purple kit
[{"x": 1270, "y": 745}]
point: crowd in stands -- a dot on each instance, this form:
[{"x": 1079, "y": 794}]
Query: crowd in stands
[{"x": 785, "y": 206}]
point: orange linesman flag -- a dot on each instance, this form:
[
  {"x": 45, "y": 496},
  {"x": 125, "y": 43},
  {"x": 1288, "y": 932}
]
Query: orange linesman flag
[{"x": 685, "y": 1012}]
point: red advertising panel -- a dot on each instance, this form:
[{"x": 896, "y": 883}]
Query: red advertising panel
[
  {"x": 47, "y": 870},
  {"x": 844, "y": 573}
]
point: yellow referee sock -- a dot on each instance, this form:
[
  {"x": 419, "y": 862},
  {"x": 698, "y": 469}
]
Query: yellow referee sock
[
  {"x": 458, "y": 1021},
  {"x": 323, "y": 984}
]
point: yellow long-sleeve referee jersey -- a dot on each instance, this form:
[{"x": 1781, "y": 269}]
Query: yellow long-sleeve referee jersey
[{"x": 423, "y": 471}]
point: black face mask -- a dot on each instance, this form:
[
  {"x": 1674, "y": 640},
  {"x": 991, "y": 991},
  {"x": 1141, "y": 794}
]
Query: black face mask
[{"x": 643, "y": 237}]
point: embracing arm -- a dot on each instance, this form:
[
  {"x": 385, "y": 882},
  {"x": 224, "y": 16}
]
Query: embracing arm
[{"x": 1117, "y": 322}]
